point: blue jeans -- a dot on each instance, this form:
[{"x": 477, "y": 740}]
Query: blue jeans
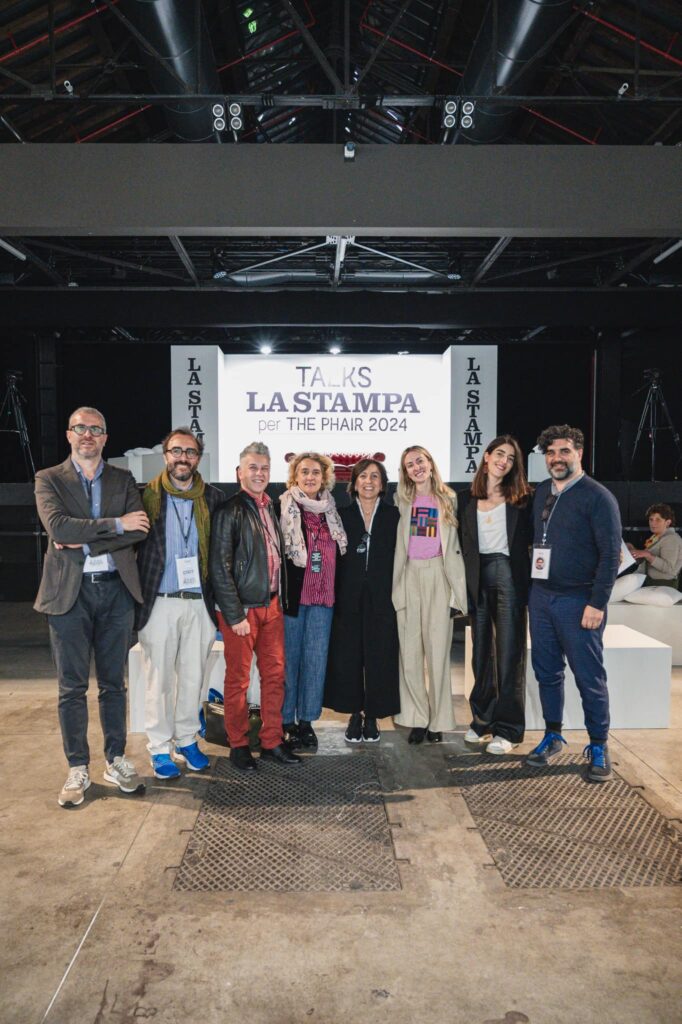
[
  {"x": 306, "y": 641},
  {"x": 557, "y": 636}
]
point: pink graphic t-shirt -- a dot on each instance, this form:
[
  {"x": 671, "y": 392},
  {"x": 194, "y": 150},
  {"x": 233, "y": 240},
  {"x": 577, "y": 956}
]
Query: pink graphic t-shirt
[{"x": 424, "y": 529}]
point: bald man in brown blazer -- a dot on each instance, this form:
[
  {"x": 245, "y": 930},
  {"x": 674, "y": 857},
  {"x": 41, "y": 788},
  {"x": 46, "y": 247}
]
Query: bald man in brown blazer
[{"x": 93, "y": 517}]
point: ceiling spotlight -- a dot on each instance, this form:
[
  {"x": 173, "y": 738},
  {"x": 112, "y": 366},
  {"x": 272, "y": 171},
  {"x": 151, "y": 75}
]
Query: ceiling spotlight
[
  {"x": 219, "y": 124},
  {"x": 236, "y": 116},
  {"x": 449, "y": 119},
  {"x": 218, "y": 110},
  {"x": 266, "y": 350},
  {"x": 404, "y": 352},
  {"x": 334, "y": 350},
  {"x": 468, "y": 107}
]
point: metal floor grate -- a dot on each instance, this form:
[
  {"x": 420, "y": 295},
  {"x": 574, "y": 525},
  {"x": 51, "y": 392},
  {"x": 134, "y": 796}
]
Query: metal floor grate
[
  {"x": 549, "y": 828},
  {"x": 319, "y": 827}
]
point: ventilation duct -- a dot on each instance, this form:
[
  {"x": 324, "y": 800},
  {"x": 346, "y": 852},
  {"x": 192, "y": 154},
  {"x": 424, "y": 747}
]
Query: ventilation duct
[
  {"x": 177, "y": 31},
  {"x": 524, "y": 27}
]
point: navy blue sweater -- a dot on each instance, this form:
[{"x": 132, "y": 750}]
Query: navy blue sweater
[{"x": 585, "y": 536}]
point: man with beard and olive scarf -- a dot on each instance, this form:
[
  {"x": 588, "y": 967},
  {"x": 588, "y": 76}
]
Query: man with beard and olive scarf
[{"x": 176, "y": 622}]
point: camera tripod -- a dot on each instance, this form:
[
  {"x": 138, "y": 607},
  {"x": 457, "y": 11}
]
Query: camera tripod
[
  {"x": 11, "y": 412},
  {"x": 655, "y": 405}
]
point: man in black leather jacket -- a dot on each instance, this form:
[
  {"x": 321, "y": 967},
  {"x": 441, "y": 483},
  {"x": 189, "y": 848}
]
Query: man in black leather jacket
[{"x": 247, "y": 570}]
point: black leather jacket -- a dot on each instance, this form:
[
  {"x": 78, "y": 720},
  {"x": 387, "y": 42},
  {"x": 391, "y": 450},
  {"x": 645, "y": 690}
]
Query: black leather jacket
[{"x": 238, "y": 559}]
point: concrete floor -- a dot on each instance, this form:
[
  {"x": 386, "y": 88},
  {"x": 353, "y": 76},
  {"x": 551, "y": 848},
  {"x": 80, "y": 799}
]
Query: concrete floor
[{"x": 95, "y": 934}]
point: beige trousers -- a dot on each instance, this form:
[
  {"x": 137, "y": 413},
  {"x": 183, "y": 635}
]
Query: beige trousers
[{"x": 425, "y": 632}]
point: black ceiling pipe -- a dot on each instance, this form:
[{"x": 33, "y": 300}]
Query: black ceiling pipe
[
  {"x": 177, "y": 31},
  {"x": 523, "y": 28}
]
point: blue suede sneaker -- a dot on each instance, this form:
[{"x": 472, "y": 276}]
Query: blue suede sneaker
[
  {"x": 599, "y": 769},
  {"x": 195, "y": 760},
  {"x": 165, "y": 767},
  {"x": 548, "y": 747}
]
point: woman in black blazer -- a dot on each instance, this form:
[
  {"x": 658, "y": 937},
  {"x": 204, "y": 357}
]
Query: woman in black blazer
[
  {"x": 496, "y": 533},
  {"x": 362, "y": 665}
]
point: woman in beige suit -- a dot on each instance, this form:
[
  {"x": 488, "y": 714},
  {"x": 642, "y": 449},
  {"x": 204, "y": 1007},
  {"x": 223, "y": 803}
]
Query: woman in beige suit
[{"x": 428, "y": 588}]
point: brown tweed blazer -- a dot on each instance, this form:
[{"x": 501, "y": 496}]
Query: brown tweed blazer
[{"x": 64, "y": 512}]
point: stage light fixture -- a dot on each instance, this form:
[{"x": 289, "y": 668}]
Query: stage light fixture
[
  {"x": 266, "y": 350},
  {"x": 468, "y": 111},
  {"x": 449, "y": 118},
  {"x": 219, "y": 123},
  {"x": 236, "y": 117},
  {"x": 334, "y": 350},
  {"x": 404, "y": 352}
]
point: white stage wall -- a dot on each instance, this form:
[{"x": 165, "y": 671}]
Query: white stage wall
[{"x": 339, "y": 405}]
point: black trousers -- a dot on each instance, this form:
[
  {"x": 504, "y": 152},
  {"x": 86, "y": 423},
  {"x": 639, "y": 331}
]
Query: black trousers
[
  {"x": 498, "y": 627},
  {"x": 100, "y": 622}
]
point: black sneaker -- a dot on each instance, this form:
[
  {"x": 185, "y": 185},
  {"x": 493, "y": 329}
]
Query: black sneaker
[
  {"x": 353, "y": 732},
  {"x": 548, "y": 747},
  {"x": 370, "y": 731},
  {"x": 599, "y": 769},
  {"x": 290, "y": 730},
  {"x": 306, "y": 736}
]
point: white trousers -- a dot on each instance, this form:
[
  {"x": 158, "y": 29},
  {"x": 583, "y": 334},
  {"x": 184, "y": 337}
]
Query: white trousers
[
  {"x": 176, "y": 643},
  {"x": 425, "y": 632}
]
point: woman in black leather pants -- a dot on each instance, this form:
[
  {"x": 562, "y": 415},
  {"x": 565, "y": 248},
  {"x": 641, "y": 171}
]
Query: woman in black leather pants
[{"x": 496, "y": 533}]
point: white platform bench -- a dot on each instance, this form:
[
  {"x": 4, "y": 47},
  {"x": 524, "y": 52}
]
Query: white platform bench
[
  {"x": 638, "y": 671},
  {"x": 664, "y": 624},
  {"x": 214, "y": 678}
]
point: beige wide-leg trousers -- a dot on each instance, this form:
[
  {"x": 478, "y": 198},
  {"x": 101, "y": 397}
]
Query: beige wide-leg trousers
[{"x": 425, "y": 631}]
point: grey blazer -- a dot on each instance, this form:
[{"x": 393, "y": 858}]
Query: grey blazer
[{"x": 64, "y": 512}]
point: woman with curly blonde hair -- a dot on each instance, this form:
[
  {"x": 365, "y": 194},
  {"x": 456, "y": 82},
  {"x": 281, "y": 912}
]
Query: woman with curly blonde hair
[
  {"x": 312, "y": 531},
  {"x": 428, "y": 587}
]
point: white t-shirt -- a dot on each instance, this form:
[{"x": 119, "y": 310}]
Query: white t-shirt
[{"x": 492, "y": 531}]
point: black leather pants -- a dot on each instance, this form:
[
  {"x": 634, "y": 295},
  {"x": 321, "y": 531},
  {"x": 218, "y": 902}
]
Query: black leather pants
[{"x": 498, "y": 627}]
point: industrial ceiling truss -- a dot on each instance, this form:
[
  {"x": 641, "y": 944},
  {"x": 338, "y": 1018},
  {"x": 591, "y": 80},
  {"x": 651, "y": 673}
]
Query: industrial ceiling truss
[{"x": 368, "y": 71}]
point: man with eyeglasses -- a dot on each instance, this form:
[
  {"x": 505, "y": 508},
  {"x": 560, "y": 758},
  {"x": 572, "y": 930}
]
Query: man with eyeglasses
[
  {"x": 93, "y": 517},
  {"x": 575, "y": 559},
  {"x": 176, "y": 622}
]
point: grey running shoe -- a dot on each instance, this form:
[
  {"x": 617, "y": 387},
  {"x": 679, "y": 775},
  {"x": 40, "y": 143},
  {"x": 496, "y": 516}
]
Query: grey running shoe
[
  {"x": 548, "y": 747},
  {"x": 599, "y": 769},
  {"x": 123, "y": 774},
  {"x": 73, "y": 790}
]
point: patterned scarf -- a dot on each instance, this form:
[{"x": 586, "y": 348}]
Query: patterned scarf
[
  {"x": 151, "y": 499},
  {"x": 294, "y": 542}
]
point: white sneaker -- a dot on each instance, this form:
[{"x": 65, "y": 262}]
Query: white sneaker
[
  {"x": 472, "y": 737},
  {"x": 73, "y": 790},
  {"x": 123, "y": 774},
  {"x": 499, "y": 745}
]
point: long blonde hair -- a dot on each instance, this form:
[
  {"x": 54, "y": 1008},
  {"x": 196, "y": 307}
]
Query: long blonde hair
[
  {"x": 443, "y": 494},
  {"x": 325, "y": 464}
]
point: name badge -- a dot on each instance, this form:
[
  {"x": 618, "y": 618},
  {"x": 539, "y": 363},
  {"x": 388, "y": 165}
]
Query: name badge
[
  {"x": 96, "y": 563},
  {"x": 316, "y": 561},
  {"x": 188, "y": 573},
  {"x": 539, "y": 567}
]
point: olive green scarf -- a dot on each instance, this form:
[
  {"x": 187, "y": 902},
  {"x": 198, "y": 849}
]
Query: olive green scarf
[{"x": 151, "y": 499}]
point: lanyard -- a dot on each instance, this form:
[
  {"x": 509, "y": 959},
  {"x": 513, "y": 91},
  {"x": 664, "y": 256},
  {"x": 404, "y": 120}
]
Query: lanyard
[
  {"x": 545, "y": 525},
  {"x": 185, "y": 536}
]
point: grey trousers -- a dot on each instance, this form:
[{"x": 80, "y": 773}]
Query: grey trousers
[{"x": 100, "y": 622}]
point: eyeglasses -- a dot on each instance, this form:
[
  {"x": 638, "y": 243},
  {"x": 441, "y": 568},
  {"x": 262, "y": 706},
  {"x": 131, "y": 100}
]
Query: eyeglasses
[
  {"x": 84, "y": 428},
  {"x": 362, "y": 546},
  {"x": 191, "y": 453},
  {"x": 549, "y": 505}
]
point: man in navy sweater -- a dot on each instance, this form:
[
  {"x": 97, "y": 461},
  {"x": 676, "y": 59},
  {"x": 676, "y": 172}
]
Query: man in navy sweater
[{"x": 576, "y": 553}]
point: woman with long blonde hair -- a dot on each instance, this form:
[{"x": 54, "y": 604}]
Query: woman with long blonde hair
[{"x": 428, "y": 588}]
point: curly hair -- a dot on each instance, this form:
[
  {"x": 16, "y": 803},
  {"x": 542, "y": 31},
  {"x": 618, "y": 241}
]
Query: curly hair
[
  {"x": 515, "y": 487},
  {"x": 444, "y": 495},
  {"x": 326, "y": 464},
  {"x": 664, "y": 511},
  {"x": 557, "y": 433}
]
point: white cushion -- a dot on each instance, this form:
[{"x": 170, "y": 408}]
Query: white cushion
[
  {"x": 625, "y": 585},
  {"x": 663, "y": 597}
]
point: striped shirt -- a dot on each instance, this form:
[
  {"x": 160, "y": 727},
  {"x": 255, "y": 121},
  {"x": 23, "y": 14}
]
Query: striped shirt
[{"x": 318, "y": 587}]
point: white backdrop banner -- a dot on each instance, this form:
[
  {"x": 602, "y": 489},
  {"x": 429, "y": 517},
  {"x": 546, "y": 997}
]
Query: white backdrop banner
[{"x": 342, "y": 406}]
